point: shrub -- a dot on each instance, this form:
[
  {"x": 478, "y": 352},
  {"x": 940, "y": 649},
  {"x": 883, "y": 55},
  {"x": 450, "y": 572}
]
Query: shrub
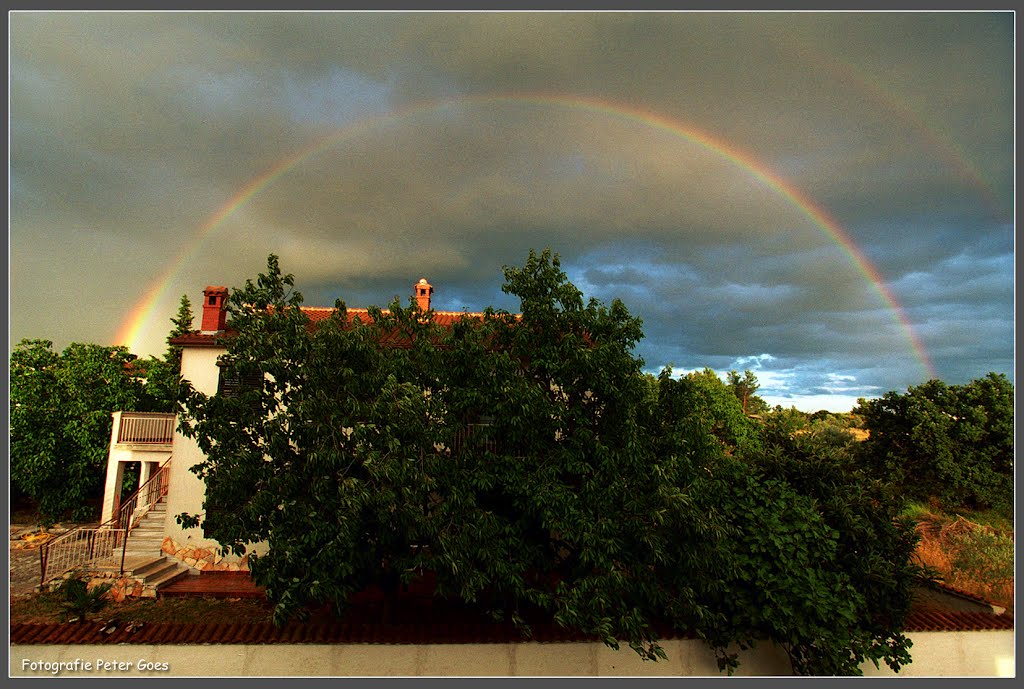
[{"x": 78, "y": 601}]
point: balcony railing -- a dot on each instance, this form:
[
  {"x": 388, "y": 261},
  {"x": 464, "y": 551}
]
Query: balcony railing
[{"x": 141, "y": 428}]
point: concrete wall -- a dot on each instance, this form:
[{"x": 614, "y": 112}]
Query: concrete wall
[
  {"x": 186, "y": 493},
  {"x": 985, "y": 654},
  {"x": 199, "y": 366},
  {"x": 948, "y": 654}
]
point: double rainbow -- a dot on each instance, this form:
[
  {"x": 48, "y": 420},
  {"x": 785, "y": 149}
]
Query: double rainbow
[{"x": 141, "y": 315}]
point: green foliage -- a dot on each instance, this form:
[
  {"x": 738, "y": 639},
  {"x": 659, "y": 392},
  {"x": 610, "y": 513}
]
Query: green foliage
[
  {"x": 817, "y": 559},
  {"x": 61, "y": 408},
  {"x": 780, "y": 425},
  {"x": 873, "y": 548},
  {"x": 785, "y": 582},
  {"x": 78, "y": 601},
  {"x": 528, "y": 463},
  {"x": 952, "y": 442},
  {"x": 983, "y": 556},
  {"x": 705, "y": 412},
  {"x": 744, "y": 388}
]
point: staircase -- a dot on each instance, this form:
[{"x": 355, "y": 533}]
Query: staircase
[
  {"x": 154, "y": 572},
  {"x": 147, "y": 537},
  {"x": 143, "y": 558},
  {"x": 127, "y": 545}
]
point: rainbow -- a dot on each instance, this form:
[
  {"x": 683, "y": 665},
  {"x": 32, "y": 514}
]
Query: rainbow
[
  {"x": 141, "y": 314},
  {"x": 927, "y": 131}
]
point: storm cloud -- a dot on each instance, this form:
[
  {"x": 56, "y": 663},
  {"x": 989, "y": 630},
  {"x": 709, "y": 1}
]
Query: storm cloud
[{"x": 738, "y": 180}]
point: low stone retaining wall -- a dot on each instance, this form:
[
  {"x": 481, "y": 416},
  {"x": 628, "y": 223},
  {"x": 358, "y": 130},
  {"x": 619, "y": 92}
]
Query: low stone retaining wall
[
  {"x": 122, "y": 585},
  {"x": 204, "y": 559}
]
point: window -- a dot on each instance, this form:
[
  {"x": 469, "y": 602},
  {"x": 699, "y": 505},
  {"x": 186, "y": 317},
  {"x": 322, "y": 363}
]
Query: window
[{"x": 231, "y": 384}]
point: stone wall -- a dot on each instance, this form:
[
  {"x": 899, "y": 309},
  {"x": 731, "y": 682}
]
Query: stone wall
[
  {"x": 122, "y": 585},
  {"x": 204, "y": 558}
]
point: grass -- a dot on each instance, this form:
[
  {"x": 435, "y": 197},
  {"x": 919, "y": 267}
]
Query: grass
[
  {"x": 990, "y": 518},
  {"x": 974, "y": 555},
  {"x": 45, "y": 608}
]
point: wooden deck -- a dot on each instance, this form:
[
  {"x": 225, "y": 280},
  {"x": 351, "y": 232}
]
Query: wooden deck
[{"x": 214, "y": 585}]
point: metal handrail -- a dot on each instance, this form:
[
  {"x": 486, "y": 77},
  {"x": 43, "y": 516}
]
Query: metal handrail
[
  {"x": 83, "y": 545},
  {"x": 152, "y": 492}
]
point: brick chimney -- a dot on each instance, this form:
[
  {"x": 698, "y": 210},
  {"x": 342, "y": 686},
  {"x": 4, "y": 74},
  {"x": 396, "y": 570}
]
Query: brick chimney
[
  {"x": 215, "y": 313},
  {"x": 422, "y": 291}
]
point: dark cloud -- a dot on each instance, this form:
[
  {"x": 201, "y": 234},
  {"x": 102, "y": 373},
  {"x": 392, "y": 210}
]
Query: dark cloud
[{"x": 133, "y": 134}]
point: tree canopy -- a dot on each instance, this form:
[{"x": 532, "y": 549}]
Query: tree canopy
[
  {"x": 952, "y": 442},
  {"x": 61, "y": 406},
  {"x": 744, "y": 388},
  {"x": 163, "y": 375},
  {"x": 527, "y": 462}
]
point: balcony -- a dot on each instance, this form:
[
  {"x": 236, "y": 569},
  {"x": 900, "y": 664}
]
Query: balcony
[{"x": 144, "y": 430}]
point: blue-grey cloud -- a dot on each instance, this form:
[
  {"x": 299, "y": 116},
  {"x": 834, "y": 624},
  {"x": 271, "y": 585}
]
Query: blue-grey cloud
[{"x": 129, "y": 131}]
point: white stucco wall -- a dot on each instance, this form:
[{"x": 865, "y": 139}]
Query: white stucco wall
[
  {"x": 198, "y": 366},
  {"x": 936, "y": 654},
  {"x": 949, "y": 654}
]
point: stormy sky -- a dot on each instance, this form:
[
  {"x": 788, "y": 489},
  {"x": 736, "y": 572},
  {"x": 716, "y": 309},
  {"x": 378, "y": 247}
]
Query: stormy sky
[{"x": 822, "y": 198}]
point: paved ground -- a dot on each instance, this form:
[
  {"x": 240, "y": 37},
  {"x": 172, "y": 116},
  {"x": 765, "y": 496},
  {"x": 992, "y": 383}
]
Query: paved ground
[{"x": 25, "y": 540}]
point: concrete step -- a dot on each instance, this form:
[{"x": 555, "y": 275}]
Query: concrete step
[
  {"x": 166, "y": 576},
  {"x": 154, "y": 572},
  {"x": 157, "y": 569},
  {"x": 113, "y": 563},
  {"x": 145, "y": 544},
  {"x": 151, "y": 566},
  {"x": 159, "y": 508},
  {"x": 144, "y": 548},
  {"x": 144, "y": 551},
  {"x": 150, "y": 535}
]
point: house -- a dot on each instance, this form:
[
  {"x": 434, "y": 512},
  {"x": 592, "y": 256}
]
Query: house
[{"x": 165, "y": 456}]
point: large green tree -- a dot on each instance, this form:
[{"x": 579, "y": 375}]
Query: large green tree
[
  {"x": 815, "y": 558},
  {"x": 507, "y": 454},
  {"x": 952, "y": 442},
  {"x": 704, "y": 412},
  {"x": 871, "y": 545},
  {"x": 61, "y": 408},
  {"x": 527, "y": 462}
]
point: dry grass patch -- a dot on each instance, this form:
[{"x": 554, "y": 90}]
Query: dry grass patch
[
  {"x": 969, "y": 556},
  {"x": 44, "y": 608}
]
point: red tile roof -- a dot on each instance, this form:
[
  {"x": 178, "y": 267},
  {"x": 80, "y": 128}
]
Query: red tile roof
[
  {"x": 416, "y": 623},
  {"x": 317, "y": 314},
  {"x": 400, "y": 633},
  {"x": 947, "y": 588},
  {"x": 960, "y": 621}
]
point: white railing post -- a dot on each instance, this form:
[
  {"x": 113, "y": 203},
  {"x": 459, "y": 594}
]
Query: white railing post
[{"x": 115, "y": 430}]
